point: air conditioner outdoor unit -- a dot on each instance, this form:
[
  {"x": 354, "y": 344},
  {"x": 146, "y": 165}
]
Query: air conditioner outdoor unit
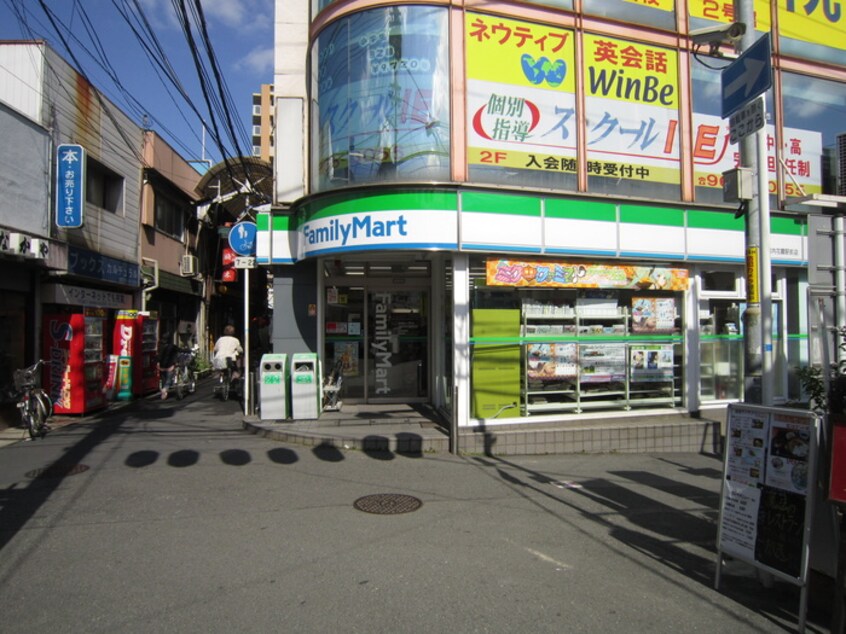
[
  {"x": 20, "y": 243},
  {"x": 190, "y": 265},
  {"x": 39, "y": 248}
]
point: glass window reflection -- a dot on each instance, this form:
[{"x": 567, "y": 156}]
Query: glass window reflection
[
  {"x": 814, "y": 114},
  {"x": 381, "y": 107},
  {"x": 660, "y": 13}
]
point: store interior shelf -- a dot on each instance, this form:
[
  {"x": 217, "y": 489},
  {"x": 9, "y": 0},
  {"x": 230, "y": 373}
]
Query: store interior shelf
[{"x": 583, "y": 370}]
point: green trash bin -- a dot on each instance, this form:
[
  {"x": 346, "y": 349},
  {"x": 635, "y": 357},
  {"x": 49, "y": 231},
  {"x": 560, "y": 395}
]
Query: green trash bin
[
  {"x": 273, "y": 387},
  {"x": 305, "y": 386}
]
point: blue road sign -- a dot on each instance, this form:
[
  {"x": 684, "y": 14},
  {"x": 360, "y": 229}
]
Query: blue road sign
[
  {"x": 748, "y": 76},
  {"x": 70, "y": 185},
  {"x": 242, "y": 238}
]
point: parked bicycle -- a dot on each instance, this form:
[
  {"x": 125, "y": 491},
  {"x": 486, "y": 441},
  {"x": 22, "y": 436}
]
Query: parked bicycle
[
  {"x": 183, "y": 378},
  {"x": 34, "y": 404}
]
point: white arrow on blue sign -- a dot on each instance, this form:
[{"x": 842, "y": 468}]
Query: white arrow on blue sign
[
  {"x": 748, "y": 76},
  {"x": 242, "y": 238}
]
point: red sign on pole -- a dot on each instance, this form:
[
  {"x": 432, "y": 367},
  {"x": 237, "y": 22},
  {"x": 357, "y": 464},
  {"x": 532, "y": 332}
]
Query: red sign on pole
[{"x": 837, "y": 477}]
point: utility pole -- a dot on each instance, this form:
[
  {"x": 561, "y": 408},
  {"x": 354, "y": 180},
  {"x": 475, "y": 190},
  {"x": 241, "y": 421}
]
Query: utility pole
[{"x": 757, "y": 319}]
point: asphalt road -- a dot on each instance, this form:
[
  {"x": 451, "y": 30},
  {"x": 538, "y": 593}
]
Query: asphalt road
[{"x": 166, "y": 516}]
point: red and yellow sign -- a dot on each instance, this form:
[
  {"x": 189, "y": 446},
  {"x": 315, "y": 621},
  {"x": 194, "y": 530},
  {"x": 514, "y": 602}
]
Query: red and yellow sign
[{"x": 500, "y": 272}]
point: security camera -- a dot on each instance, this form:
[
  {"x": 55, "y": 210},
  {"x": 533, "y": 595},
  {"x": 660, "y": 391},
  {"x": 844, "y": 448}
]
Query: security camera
[{"x": 716, "y": 35}]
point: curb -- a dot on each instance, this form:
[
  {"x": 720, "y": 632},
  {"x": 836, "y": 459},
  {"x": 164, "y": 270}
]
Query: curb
[
  {"x": 685, "y": 436},
  {"x": 401, "y": 442}
]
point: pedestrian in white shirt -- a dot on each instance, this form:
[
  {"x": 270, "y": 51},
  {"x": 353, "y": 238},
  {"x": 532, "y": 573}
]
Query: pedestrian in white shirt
[{"x": 228, "y": 347}]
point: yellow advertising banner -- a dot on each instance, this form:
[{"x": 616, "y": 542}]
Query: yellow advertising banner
[
  {"x": 663, "y": 5},
  {"x": 816, "y": 22},
  {"x": 723, "y": 11},
  {"x": 753, "y": 295},
  {"x": 519, "y": 53},
  {"x": 548, "y": 162},
  {"x": 631, "y": 72},
  {"x": 503, "y": 272}
]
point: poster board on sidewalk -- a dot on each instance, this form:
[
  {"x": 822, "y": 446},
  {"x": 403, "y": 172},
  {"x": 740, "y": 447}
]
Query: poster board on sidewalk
[{"x": 767, "y": 498}]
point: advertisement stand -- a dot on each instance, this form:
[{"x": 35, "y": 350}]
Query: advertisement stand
[{"x": 767, "y": 499}]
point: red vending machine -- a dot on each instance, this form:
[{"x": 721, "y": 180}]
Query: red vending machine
[
  {"x": 146, "y": 360},
  {"x": 74, "y": 343},
  {"x": 136, "y": 337}
]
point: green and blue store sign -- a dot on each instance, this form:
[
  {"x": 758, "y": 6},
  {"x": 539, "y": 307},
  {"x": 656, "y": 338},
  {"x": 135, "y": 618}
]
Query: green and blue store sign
[{"x": 485, "y": 221}]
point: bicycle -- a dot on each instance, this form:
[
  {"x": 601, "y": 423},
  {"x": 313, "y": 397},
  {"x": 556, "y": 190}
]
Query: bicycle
[
  {"x": 185, "y": 378},
  {"x": 35, "y": 405},
  {"x": 182, "y": 379},
  {"x": 226, "y": 382}
]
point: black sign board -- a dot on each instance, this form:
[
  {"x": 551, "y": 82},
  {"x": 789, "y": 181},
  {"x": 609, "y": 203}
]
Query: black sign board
[{"x": 767, "y": 493}]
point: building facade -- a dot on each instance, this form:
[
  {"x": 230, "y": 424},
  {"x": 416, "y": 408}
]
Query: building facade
[
  {"x": 516, "y": 212},
  {"x": 80, "y": 180},
  {"x": 174, "y": 248},
  {"x": 263, "y": 119}
]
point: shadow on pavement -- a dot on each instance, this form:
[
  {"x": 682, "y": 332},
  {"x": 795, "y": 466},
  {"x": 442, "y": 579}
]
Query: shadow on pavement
[{"x": 681, "y": 540}]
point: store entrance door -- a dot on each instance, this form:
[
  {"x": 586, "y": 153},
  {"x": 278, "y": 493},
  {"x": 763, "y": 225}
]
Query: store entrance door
[
  {"x": 377, "y": 338},
  {"x": 397, "y": 346}
]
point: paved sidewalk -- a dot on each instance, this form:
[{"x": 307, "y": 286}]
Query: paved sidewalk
[
  {"x": 168, "y": 516},
  {"x": 418, "y": 429}
]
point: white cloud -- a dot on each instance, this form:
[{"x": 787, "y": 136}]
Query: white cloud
[
  {"x": 258, "y": 60},
  {"x": 239, "y": 13},
  {"x": 230, "y": 13}
]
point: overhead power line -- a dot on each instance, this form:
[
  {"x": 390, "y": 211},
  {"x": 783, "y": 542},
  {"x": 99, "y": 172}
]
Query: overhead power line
[{"x": 226, "y": 131}]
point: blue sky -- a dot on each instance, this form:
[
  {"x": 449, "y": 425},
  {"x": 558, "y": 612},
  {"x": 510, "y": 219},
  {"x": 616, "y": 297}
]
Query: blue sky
[{"x": 241, "y": 35}]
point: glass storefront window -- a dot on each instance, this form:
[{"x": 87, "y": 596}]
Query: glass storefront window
[
  {"x": 713, "y": 154},
  {"x": 344, "y": 332},
  {"x": 318, "y": 5},
  {"x": 576, "y": 347},
  {"x": 381, "y": 98},
  {"x": 560, "y": 4},
  {"x": 719, "y": 281},
  {"x": 720, "y": 349},
  {"x": 813, "y": 118},
  {"x": 376, "y": 328},
  {"x": 660, "y": 13}
]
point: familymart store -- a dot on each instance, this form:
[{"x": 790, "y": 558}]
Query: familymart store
[{"x": 500, "y": 307}]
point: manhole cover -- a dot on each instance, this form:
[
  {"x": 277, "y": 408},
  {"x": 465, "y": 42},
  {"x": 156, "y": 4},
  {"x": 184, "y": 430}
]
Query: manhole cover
[
  {"x": 387, "y": 503},
  {"x": 57, "y": 471}
]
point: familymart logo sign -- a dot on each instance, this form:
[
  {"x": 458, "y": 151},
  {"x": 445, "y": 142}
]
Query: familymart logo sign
[
  {"x": 406, "y": 229},
  {"x": 354, "y": 230}
]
